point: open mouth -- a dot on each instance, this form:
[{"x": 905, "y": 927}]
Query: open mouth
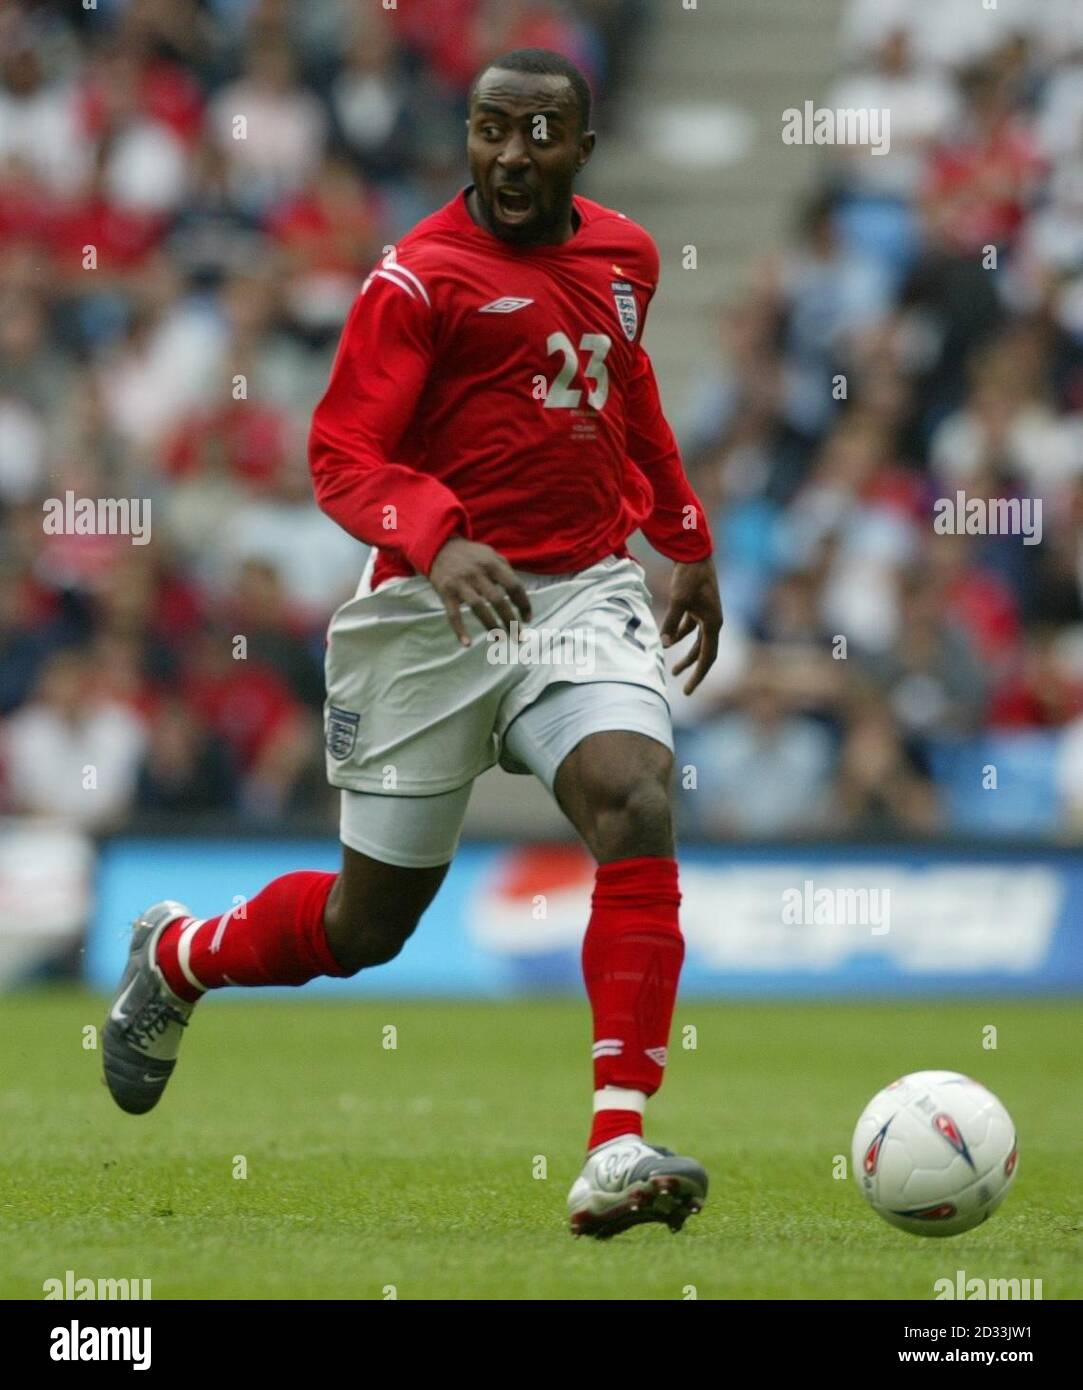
[{"x": 513, "y": 204}]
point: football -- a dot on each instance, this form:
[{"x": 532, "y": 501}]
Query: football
[{"x": 935, "y": 1153}]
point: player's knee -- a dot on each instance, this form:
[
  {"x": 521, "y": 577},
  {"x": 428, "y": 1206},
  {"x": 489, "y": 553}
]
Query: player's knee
[
  {"x": 631, "y": 815},
  {"x": 360, "y": 940},
  {"x": 365, "y": 947}
]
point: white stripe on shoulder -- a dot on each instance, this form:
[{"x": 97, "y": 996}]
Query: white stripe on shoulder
[
  {"x": 403, "y": 270},
  {"x": 392, "y": 275}
]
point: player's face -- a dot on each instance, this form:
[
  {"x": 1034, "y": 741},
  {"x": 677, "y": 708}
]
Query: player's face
[{"x": 525, "y": 148}]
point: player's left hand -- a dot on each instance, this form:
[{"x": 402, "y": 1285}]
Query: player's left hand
[{"x": 695, "y": 605}]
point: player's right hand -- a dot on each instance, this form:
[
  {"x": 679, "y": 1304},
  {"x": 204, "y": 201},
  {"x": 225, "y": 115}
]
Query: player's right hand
[{"x": 468, "y": 573}]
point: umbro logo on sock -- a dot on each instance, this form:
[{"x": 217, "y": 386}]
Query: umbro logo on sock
[{"x": 657, "y": 1054}]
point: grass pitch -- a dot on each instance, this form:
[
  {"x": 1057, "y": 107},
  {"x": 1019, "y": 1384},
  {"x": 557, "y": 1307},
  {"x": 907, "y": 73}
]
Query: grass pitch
[{"x": 439, "y": 1168}]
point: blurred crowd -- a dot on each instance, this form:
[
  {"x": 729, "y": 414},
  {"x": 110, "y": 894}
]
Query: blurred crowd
[
  {"x": 921, "y": 336},
  {"x": 191, "y": 192},
  {"x": 171, "y": 290}
]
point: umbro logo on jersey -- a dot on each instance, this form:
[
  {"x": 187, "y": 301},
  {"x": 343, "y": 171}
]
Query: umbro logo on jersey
[{"x": 507, "y": 305}]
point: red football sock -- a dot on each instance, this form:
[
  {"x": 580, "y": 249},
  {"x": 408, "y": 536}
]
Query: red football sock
[
  {"x": 277, "y": 938},
  {"x": 632, "y": 956},
  {"x": 611, "y": 1124}
]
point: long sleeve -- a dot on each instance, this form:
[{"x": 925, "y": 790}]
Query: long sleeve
[
  {"x": 383, "y": 359},
  {"x": 677, "y": 526}
]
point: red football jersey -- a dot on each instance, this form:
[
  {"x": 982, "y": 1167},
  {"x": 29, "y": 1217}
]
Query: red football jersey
[{"x": 501, "y": 393}]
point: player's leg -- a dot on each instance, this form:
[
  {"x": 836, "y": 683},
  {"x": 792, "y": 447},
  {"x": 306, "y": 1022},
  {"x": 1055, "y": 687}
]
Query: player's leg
[
  {"x": 374, "y": 907},
  {"x": 396, "y": 851},
  {"x": 299, "y": 926},
  {"x": 409, "y": 724},
  {"x": 614, "y": 787},
  {"x": 307, "y": 924},
  {"x": 605, "y": 752}
]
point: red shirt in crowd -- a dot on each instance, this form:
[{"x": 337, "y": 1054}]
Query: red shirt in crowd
[{"x": 245, "y": 705}]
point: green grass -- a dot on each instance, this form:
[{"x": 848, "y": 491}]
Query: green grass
[{"x": 414, "y": 1167}]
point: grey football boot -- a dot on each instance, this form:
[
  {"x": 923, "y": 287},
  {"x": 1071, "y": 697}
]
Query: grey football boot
[
  {"x": 627, "y": 1182},
  {"x": 146, "y": 1022}
]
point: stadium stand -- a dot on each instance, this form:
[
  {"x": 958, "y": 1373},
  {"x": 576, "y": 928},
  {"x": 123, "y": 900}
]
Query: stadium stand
[{"x": 182, "y": 368}]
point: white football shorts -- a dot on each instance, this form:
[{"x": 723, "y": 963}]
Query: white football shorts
[{"x": 412, "y": 717}]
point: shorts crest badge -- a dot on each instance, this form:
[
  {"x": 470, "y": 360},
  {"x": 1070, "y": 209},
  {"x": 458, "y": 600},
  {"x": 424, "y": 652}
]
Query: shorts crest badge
[
  {"x": 341, "y": 732},
  {"x": 627, "y": 308}
]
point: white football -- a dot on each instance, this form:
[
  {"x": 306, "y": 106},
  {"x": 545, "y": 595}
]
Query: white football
[{"x": 935, "y": 1153}]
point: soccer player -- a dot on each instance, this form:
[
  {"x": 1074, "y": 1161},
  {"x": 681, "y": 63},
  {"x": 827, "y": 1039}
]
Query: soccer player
[{"x": 492, "y": 427}]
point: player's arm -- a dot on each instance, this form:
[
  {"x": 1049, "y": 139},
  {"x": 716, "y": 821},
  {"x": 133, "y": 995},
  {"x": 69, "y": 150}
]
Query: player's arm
[
  {"x": 383, "y": 361},
  {"x": 384, "y": 357},
  {"x": 677, "y": 526}
]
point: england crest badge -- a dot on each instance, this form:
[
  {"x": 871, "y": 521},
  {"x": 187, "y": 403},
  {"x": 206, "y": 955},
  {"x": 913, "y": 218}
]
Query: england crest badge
[
  {"x": 627, "y": 309},
  {"x": 341, "y": 732}
]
